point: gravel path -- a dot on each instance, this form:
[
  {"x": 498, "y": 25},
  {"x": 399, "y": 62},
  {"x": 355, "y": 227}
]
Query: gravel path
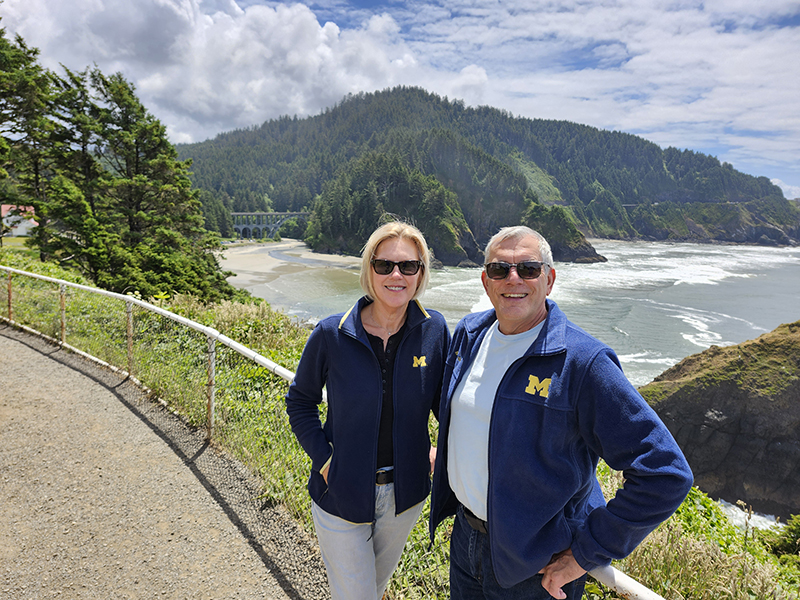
[{"x": 104, "y": 494}]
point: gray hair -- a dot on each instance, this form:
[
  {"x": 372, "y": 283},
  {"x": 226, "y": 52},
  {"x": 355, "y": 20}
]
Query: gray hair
[{"x": 519, "y": 232}]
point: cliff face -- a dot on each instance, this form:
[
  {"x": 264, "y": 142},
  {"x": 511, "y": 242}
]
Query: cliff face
[
  {"x": 735, "y": 412},
  {"x": 566, "y": 241},
  {"x": 773, "y": 222}
]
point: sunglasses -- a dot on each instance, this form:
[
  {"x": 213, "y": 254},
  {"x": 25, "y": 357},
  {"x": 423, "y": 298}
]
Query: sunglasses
[
  {"x": 527, "y": 269},
  {"x": 386, "y": 267}
]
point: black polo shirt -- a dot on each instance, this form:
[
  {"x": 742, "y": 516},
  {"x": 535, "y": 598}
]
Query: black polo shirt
[{"x": 386, "y": 360}]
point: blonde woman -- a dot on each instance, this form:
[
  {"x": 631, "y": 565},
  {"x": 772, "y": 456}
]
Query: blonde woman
[{"x": 381, "y": 363}]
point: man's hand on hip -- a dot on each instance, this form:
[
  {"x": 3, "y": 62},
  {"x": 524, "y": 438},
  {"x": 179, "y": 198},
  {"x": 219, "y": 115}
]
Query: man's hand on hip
[{"x": 561, "y": 569}]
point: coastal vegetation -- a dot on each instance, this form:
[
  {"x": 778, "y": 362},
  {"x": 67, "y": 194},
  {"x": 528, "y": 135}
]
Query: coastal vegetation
[{"x": 735, "y": 412}]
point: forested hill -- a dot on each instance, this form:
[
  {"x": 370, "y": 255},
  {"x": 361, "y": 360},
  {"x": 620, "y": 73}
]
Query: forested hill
[{"x": 461, "y": 173}]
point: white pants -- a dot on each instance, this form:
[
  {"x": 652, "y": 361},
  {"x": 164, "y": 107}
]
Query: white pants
[{"x": 358, "y": 560}]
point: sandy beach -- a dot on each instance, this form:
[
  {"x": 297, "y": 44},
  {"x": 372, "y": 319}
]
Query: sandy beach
[
  {"x": 288, "y": 273},
  {"x": 265, "y": 262}
]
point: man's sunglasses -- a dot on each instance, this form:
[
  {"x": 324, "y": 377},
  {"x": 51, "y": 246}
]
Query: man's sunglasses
[
  {"x": 385, "y": 267},
  {"x": 527, "y": 269}
]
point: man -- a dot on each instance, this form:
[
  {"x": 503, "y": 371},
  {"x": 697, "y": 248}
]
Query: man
[{"x": 530, "y": 403}]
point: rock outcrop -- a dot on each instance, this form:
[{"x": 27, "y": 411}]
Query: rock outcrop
[
  {"x": 582, "y": 252},
  {"x": 735, "y": 412},
  {"x": 692, "y": 220}
]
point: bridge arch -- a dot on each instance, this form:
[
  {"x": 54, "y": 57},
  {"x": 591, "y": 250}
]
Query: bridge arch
[{"x": 263, "y": 225}]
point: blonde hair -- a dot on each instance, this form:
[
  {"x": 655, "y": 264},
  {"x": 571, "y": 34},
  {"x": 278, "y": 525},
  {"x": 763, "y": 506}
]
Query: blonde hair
[
  {"x": 517, "y": 233},
  {"x": 392, "y": 230}
]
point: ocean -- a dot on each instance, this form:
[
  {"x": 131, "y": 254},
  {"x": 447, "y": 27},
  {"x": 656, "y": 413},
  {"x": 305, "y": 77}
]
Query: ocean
[{"x": 654, "y": 303}]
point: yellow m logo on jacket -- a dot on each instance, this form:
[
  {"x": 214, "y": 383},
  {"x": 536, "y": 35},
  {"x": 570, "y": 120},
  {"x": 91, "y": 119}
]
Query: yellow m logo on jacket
[
  {"x": 538, "y": 388},
  {"x": 419, "y": 361}
]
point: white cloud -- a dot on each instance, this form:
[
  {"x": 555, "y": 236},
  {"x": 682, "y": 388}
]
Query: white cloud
[
  {"x": 236, "y": 71},
  {"x": 204, "y": 71},
  {"x": 716, "y": 76},
  {"x": 790, "y": 191}
]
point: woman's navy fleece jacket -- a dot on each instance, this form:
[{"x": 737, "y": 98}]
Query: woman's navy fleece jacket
[{"x": 338, "y": 356}]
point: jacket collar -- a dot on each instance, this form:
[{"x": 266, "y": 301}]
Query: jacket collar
[
  {"x": 551, "y": 340},
  {"x": 351, "y": 320}
]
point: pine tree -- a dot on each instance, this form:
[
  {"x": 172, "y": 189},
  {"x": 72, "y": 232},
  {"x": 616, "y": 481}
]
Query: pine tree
[
  {"x": 150, "y": 202},
  {"x": 25, "y": 94},
  {"x": 78, "y": 234},
  {"x": 110, "y": 196}
]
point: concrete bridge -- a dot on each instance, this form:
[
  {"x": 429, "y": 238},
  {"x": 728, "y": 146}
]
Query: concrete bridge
[{"x": 260, "y": 225}]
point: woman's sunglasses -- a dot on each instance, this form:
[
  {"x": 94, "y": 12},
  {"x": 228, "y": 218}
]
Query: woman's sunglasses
[
  {"x": 527, "y": 269},
  {"x": 385, "y": 267}
]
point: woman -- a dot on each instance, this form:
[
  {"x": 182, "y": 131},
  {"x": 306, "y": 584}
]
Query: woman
[{"x": 381, "y": 363}]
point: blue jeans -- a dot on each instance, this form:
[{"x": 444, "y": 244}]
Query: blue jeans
[
  {"x": 359, "y": 558},
  {"x": 472, "y": 577}
]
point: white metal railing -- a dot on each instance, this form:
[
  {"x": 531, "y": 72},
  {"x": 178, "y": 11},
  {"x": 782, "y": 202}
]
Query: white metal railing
[
  {"x": 609, "y": 576},
  {"x": 211, "y": 334}
]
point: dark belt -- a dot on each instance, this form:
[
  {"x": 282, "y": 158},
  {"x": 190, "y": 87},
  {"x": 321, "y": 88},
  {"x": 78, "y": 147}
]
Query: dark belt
[
  {"x": 384, "y": 477},
  {"x": 474, "y": 522}
]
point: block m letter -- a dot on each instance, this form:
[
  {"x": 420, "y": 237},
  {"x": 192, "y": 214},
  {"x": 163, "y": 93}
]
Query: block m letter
[{"x": 538, "y": 388}]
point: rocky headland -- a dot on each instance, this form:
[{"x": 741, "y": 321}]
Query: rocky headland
[{"x": 735, "y": 412}]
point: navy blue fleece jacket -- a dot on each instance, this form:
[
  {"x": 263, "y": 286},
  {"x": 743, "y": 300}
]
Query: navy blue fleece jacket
[
  {"x": 338, "y": 356},
  {"x": 558, "y": 409}
]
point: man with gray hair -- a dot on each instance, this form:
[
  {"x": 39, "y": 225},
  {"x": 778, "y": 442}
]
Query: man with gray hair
[{"x": 530, "y": 403}]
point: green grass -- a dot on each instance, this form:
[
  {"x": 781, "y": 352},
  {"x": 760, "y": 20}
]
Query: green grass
[{"x": 14, "y": 242}]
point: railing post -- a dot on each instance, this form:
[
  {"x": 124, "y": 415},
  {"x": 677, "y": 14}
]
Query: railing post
[
  {"x": 212, "y": 360},
  {"x": 129, "y": 330},
  {"x": 62, "y": 292},
  {"x": 10, "y": 312}
]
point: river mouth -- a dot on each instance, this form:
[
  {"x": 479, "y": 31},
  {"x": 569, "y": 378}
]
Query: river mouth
[
  {"x": 293, "y": 278},
  {"x": 259, "y": 263}
]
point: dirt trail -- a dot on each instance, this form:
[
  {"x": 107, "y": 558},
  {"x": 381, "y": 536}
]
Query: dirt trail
[{"x": 104, "y": 494}]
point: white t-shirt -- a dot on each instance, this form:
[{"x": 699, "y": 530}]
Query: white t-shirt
[{"x": 471, "y": 412}]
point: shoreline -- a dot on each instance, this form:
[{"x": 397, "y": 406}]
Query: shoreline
[
  {"x": 255, "y": 264},
  {"x": 265, "y": 258}
]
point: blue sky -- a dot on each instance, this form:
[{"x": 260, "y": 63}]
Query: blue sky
[{"x": 715, "y": 76}]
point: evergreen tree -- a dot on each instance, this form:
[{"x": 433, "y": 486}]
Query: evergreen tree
[
  {"x": 76, "y": 231},
  {"x": 493, "y": 162},
  {"x": 149, "y": 201},
  {"x": 25, "y": 94},
  {"x": 109, "y": 194}
]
